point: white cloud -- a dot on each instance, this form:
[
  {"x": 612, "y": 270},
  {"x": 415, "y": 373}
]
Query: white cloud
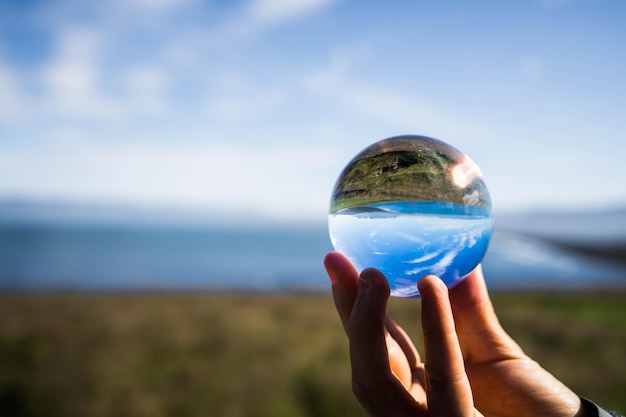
[
  {"x": 85, "y": 80},
  {"x": 387, "y": 105},
  {"x": 103, "y": 79},
  {"x": 146, "y": 80},
  {"x": 158, "y": 6},
  {"x": 183, "y": 53},
  {"x": 258, "y": 16},
  {"x": 230, "y": 80},
  {"x": 79, "y": 86},
  {"x": 338, "y": 69},
  {"x": 278, "y": 11},
  {"x": 235, "y": 97},
  {"x": 373, "y": 101},
  {"x": 281, "y": 182},
  {"x": 146, "y": 89},
  {"x": 242, "y": 107},
  {"x": 12, "y": 100},
  {"x": 73, "y": 78}
]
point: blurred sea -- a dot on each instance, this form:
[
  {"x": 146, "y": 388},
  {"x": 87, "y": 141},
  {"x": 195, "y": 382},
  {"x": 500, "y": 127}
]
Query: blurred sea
[{"x": 61, "y": 249}]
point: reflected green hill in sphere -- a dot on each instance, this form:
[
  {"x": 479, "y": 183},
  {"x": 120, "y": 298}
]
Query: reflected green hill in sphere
[{"x": 410, "y": 168}]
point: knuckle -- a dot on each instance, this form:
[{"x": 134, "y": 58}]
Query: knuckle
[
  {"x": 439, "y": 382},
  {"x": 362, "y": 392}
]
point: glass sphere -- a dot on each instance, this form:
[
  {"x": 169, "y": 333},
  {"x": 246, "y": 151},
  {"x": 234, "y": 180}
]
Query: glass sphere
[{"x": 411, "y": 206}]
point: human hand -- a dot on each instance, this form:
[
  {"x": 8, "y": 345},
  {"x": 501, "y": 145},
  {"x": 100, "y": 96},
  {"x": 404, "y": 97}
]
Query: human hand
[
  {"x": 470, "y": 362},
  {"x": 387, "y": 375}
]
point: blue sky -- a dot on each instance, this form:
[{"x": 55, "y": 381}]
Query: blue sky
[{"x": 256, "y": 106}]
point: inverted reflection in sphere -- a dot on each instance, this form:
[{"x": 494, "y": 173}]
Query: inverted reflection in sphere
[{"x": 411, "y": 206}]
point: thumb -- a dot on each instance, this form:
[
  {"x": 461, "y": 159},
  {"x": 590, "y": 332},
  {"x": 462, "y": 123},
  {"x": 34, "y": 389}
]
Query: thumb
[{"x": 480, "y": 334}]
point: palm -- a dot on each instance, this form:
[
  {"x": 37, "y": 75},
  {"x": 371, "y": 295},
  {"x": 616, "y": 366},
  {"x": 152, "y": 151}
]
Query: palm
[
  {"x": 495, "y": 364},
  {"x": 507, "y": 375},
  {"x": 405, "y": 361}
]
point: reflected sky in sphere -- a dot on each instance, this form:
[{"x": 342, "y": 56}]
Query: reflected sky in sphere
[{"x": 411, "y": 206}]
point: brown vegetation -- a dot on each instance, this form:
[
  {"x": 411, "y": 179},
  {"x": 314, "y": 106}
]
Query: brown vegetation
[{"x": 254, "y": 355}]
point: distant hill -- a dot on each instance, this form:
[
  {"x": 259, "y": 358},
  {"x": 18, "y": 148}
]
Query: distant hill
[
  {"x": 598, "y": 233},
  {"x": 606, "y": 225},
  {"x": 20, "y": 211}
]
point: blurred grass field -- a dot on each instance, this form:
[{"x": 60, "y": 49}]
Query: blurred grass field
[{"x": 256, "y": 355}]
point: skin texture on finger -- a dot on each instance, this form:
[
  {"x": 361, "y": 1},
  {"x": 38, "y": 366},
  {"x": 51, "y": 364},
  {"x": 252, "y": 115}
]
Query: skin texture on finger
[
  {"x": 374, "y": 384},
  {"x": 345, "y": 283},
  {"x": 447, "y": 386}
]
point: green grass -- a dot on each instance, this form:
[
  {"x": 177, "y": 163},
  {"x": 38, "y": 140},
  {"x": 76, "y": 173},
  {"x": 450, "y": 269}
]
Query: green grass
[{"x": 255, "y": 355}]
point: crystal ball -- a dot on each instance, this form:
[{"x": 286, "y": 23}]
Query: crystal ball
[{"x": 411, "y": 206}]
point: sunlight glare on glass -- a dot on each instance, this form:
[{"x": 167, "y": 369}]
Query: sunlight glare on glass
[{"x": 465, "y": 172}]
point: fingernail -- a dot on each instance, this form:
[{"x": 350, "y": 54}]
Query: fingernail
[{"x": 420, "y": 285}]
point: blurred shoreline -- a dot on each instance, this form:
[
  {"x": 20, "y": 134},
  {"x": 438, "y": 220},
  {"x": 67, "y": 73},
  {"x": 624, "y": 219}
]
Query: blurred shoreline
[{"x": 71, "y": 247}]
